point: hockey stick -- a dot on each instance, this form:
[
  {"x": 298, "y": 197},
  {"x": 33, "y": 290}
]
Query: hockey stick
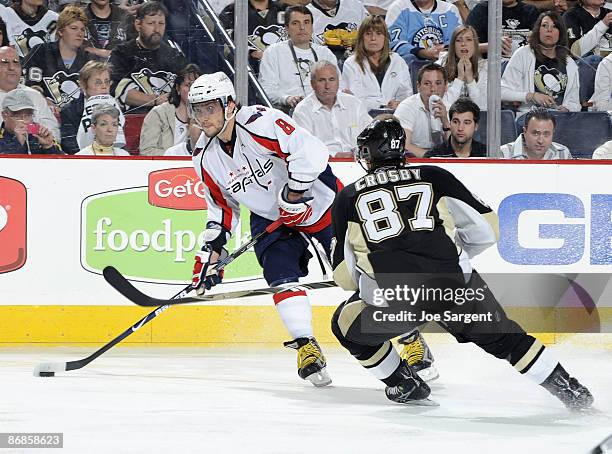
[
  {"x": 50, "y": 369},
  {"x": 125, "y": 287}
]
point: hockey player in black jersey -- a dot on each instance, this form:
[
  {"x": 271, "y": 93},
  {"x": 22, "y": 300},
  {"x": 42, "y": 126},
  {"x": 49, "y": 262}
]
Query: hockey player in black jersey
[{"x": 417, "y": 226}]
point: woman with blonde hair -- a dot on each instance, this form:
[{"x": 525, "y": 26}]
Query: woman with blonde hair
[
  {"x": 53, "y": 68},
  {"x": 466, "y": 70},
  {"x": 374, "y": 74}
]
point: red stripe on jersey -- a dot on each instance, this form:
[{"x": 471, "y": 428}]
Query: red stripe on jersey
[
  {"x": 215, "y": 192},
  {"x": 339, "y": 185},
  {"x": 325, "y": 221},
  {"x": 270, "y": 144},
  {"x": 282, "y": 296}
]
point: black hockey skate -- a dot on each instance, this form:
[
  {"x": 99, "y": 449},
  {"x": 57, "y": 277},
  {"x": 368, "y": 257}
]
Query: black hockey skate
[
  {"x": 311, "y": 362},
  {"x": 411, "y": 389},
  {"x": 568, "y": 390},
  {"x": 416, "y": 352}
]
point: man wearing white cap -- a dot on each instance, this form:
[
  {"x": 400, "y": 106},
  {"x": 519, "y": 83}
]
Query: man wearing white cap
[{"x": 18, "y": 133}]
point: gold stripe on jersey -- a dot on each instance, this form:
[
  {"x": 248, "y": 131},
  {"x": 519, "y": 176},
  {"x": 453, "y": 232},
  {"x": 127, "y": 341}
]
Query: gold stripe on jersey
[
  {"x": 493, "y": 221},
  {"x": 360, "y": 247},
  {"x": 377, "y": 357},
  {"x": 529, "y": 356},
  {"x": 343, "y": 277},
  {"x": 349, "y": 314}
]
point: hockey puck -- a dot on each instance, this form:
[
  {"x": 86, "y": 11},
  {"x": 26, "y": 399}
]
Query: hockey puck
[{"x": 46, "y": 374}]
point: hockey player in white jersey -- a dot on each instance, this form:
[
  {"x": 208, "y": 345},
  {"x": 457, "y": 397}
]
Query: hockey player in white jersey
[{"x": 258, "y": 157}]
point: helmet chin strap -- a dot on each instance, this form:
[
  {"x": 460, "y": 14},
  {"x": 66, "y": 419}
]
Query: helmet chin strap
[{"x": 227, "y": 119}]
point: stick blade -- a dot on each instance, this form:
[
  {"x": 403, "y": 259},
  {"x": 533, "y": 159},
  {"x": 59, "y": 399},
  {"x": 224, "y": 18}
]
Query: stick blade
[{"x": 125, "y": 287}]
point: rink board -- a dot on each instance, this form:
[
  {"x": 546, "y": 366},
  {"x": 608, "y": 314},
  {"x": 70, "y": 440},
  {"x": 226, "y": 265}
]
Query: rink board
[{"x": 63, "y": 220}]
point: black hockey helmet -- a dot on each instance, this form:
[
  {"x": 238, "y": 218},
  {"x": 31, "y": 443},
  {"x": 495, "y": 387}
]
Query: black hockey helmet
[{"x": 381, "y": 142}]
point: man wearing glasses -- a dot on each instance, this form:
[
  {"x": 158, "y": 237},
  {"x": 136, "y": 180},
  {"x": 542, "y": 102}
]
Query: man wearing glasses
[
  {"x": 10, "y": 75},
  {"x": 18, "y": 132}
]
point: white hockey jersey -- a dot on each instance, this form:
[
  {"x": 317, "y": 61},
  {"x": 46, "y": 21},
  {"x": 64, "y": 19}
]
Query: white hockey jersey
[
  {"x": 24, "y": 37},
  {"x": 348, "y": 16},
  {"x": 269, "y": 150}
]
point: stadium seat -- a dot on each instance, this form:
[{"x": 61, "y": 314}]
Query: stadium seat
[
  {"x": 508, "y": 127},
  {"x": 582, "y": 132},
  {"x": 132, "y": 127}
]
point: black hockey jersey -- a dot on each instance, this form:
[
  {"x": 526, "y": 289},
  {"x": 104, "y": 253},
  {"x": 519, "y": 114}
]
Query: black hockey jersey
[
  {"x": 584, "y": 32},
  {"x": 415, "y": 219},
  {"x": 265, "y": 28},
  {"x": 25, "y": 32},
  {"x": 149, "y": 71},
  {"x": 44, "y": 68}
]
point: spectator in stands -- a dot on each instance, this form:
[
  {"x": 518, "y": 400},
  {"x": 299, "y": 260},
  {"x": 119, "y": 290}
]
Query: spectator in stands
[
  {"x": 106, "y": 28},
  {"x": 589, "y": 29},
  {"x": 28, "y": 23},
  {"x": 105, "y": 125},
  {"x": 186, "y": 147},
  {"x": 421, "y": 29},
  {"x": 464, "y": 117},
  {"x": 377, "y": 7},
  {"x": 604, "y": 151},
  {"x": 380, "y": 78},
  {"x": 130, "y": 6},
  {"x": 334, "y": 117},
  {"x": 4, "y": 41},
  {"x": 543, "y": 73},
  {"x": 53, "y": 68},
  {"x": 265, "y": 27},
  {"x": 10, "y": 75},
  {"x": 335, "y": 15},
  {"x": 18, "y": 133},
  {"x": 166, "y": 125},
  {"x": 423, "y": 116},
  {"x": 518, "y": 19},
  {"x": 466, "y": 71},
  {"x": 536, "y": 141},
  {"x": 94, "y": 81},
  {"x": 144, "y": 69},
  {"x": 285, "y": 67},
  {"x": 602, "y": 96}
]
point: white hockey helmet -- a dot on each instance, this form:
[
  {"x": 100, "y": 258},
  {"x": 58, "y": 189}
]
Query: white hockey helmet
[{"x": 212, "y": 86}]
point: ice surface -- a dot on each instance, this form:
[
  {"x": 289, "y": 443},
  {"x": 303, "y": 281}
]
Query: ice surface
[{"x": 250, "y": 400}]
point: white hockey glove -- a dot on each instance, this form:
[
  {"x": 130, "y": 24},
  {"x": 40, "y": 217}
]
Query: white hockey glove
[
  {"x": 293, "y": 213},
  {"x": 205, "y": 274}
]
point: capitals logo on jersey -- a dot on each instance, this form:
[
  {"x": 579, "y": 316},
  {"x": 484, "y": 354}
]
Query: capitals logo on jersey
[
  {"x": 240, "y": 178},
  {"x": 154, "y": 83},
  {"x": 63, "y": 87},
  {"x": 262, "y": 37},
  {"x": 427, "y": 37},
  {"x": 29, "y": 38}
]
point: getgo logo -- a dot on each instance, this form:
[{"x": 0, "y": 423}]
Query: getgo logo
[
  {"x": 12, "y": 225},
  {"x": 179, "y": 189}
]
